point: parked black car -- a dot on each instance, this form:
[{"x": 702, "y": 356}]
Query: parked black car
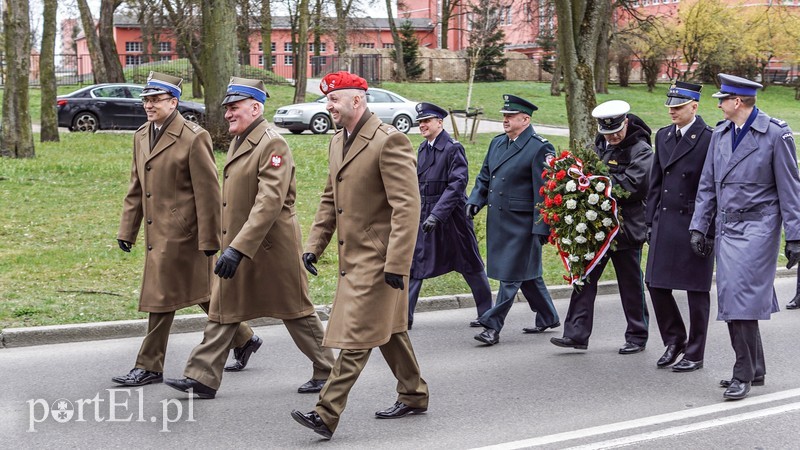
[{"x": 112, "y": 107}]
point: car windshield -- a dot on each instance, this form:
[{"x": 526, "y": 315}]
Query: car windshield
[
  {"x": 111, "y": 92},
  {"x": 322, "y": 99}
]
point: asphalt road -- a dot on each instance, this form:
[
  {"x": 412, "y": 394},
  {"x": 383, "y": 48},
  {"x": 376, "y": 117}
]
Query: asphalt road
[{"x": 521, "y": 393}]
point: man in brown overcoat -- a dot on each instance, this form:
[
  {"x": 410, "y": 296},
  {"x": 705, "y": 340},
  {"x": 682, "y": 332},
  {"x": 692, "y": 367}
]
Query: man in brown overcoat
[
  {"x": 175, "y": 190},
  {"x": 372, "y": 201},
  {"x": 260, "y": 269}
]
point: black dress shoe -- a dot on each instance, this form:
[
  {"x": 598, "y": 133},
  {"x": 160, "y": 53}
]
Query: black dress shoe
[
  {"x": 241, "y": 355},
  {"x": 630, "y": 348},
  {"x": 139, "y": 377},
  {"x": 184, "y": 384},
  {"x": 670, "y": 355},
  {"x": 537, "y": 330},
  {"x": 794, "y": 303},
  {"x": 737, "y": 390},
  {"x": 311, "y": 385},
  {"x": 399, "y": 409},
  {"x": 314, "y": 421},
  {"x": 757, "y": 381},
  {"x": 475, "y": 323},
  {"x": 686, "y": 365},
  {"x": 488, "y": 336},
  {"x": 568, "y": 343}
]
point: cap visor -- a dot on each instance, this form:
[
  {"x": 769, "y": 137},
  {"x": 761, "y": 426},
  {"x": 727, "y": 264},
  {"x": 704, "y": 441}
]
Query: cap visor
[
  {"x": 674, "y": 102},
  {"x": 232, "y": 99},
  {"x": 149, "y": 92},
  {"x": 509, "y": 111},
  {"x": 427, "y": 116},
  {"x": 605, "y": 131},
  {"x": 721, "y": 95}
]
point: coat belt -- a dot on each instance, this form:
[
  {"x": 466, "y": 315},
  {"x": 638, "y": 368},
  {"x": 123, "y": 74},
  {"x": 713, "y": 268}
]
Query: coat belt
[{"x": 747, "y": 216}]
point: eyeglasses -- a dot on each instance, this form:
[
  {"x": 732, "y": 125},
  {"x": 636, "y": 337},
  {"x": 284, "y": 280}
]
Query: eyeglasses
[{"x": 148, "y": 100}]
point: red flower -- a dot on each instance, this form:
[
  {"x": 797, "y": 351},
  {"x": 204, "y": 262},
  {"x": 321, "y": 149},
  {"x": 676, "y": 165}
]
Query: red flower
[
  {"x": 565, "y": 153},
  {"x": 552, "y": 162},
  {"x": 548, "y": 202},
  {"x": 561, "y": 174},
  {"x": 551, "y": 185},
  {"x": 555, "y": 217},
  {"x": 544, "y": 174},
  {"x": 541, "y": 191},
  {"x": 558, "y": 199}
]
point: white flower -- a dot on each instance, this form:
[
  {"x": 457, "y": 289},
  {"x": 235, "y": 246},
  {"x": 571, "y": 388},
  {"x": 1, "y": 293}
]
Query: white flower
[
  {"x": 607, "y": 222},
  {"x": 581, "y": 228},
  {"x": 573, "y": 258},
  {"x": 580, "y": 239},
  {"x": 578, "y": 282},
  {"x": 571, "y": 186},
  {"x": 591, "y": 215},
  {"x": 589, "y": 256},
  {"x": 600, "y": 236},
  {"x": 568, "y": 220},
  {"x": 600, "y": 186},
  {"x": 606, "y": 205},
  {"x": 572, "y": 204},
  {"x": 566, "y": 241},
  {"x": 593, "y": 199}
]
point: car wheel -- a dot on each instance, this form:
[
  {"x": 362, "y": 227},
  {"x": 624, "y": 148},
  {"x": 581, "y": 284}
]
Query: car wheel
[
  {"x": 320, "y": 124},
  {"x": 85, "y": 121},
  {"x": 402, "y": 123},
  {"x": 191, "y": 116},
  {"x": 296, "y": 131}
]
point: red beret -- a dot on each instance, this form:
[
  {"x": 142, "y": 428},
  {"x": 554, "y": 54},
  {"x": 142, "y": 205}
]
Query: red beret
[{"x": 342, "y": 80}]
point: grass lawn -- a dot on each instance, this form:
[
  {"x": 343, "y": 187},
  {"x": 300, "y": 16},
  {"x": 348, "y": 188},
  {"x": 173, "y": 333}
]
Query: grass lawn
[{"x": 59, "y": 261}]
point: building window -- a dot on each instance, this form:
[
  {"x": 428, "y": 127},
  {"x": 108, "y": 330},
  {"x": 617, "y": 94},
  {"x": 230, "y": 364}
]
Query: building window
[
  {"x": 260, "y": 48},
  {"x": 318, "y": 61},
  {"x": 272, "y": 46},
  {"x": 287, "y": 46},
  {"x": 165, "y": 58},
  {"x": 288, "y": 60},
  {"x": 133, "y": 60},
  {"x": 366, "y": 45},
  {"x": 260, "y": 60},
  {"x": 274, "y": 60},
  {"x": 635, "y": 3},
  {"x": 645, "y": 2},
  {"x": 321, "y": 47},
  {"x": 505, "y": 15},
  {"x": 388, "y": 45},
  {"x": 655, "y": 2},
  {"x": 133, "y": 47},
  {"x": 165, "y": 47}
]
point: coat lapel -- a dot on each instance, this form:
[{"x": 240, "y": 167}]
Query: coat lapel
[
  {"x": 747, "y": 146},
  {"x": 170, "y": 135},
  {"x": 687, "y": 142},
  {"x": 249, "y": 143},
  {"x": 513, "y": 148},
  {"x": 361, "y": 140},
  {"x": 430, "y": 157}
]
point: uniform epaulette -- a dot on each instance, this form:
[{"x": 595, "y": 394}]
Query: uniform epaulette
[
  {"x": 709, "y": 127},
  {"x": 540, "y": 138},
  {"x": 270, "y": 133},
  {"x": 721, "y": 122},
  {"x": 388, "y": 129},
  {"x": 779, "y": 122},
  {"x": 195, "y": 128},
  {"x": 453, "y": 141},
  {"x": 499, "y": 135}
]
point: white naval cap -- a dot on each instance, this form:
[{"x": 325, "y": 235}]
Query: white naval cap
[{"x": 611, "y": 116}]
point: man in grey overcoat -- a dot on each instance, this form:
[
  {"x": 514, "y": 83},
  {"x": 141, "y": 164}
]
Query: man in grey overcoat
[{"x": 750, "y": 180}]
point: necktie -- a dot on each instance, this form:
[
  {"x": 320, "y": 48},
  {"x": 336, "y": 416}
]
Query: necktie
[{"x": 678, "y": 135}]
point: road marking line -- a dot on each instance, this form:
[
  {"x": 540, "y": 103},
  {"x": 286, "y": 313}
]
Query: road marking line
[
  {"x": 644, "y": 421},
  {"x": 684, "y": 429}
]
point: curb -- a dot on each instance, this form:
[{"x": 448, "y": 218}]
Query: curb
[{"x": 59, "y": 334}]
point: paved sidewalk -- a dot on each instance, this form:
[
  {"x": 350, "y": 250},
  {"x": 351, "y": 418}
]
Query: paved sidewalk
[{"x": 24, "y": 337}]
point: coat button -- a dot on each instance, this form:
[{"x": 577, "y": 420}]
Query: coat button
[
  {"x": 147, "y": 195},
  {"x": 149, "y": 221},
  {"x": 665, "y": 190},
  {"x": 493, "y": 177},
  {"x": 342, "y": 273},
  {"x": 149, "y": 247},
  {"x": 224, "y": 204},
  {"x": 668, "y": 172},
  {"x": 339, "y": 179},
  {"x": 501, "y": 194},
  {"x": 226, "y": 231},
  {"x": 490, "y": 205},
  {"x": 663, "y": 209},
  {"x": 226, "y": 176},
  {"x": 147, "y": 167},
  {"x": 504, "y": 178},
  {"x": 500, "y": 208},
  {"x": 339, "y": 210},
  {"x": 341, "y": 242},
  {"x": 683, "y": 175},
  {"x": 490, "y": 191}
]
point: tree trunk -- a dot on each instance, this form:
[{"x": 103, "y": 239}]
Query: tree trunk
[
  {"x": 107, "y": 44},
  {"x": 601, "y": 59},
  {"x": 342, "y": 8},
  {"x": 218, "y": 57},
  {"x": 579, "y": 24},
  {"x": 243, "y": 32},
  {"x": 266, "y": 33},
  {"x": 301, "y": 62},
  {"x": 445, "y": 22},
  {"x": 17, "y": 134},
  {"x": 400, "y": 71},
  {"x": 95, "y": 54},
  {"x": 47, "y": 68},
  {"x": 555, "y": 82}
]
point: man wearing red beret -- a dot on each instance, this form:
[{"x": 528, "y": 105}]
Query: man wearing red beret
[{"x": 371, "y": 200}]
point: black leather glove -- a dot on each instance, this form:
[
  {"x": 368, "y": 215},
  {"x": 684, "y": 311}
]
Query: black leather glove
[
  {"x": 227, "y": 263},
  {"x": 429, "y": 224},
  {"x": 647, "y": 234},
  {"x": 394, "y": 280},
  {"x": 125, "y": 246},
  {"x": 709, "y": 246},
  {"x": 698, "y": 243},
  {"x": 472, "y": 210},
  {"x": 210, "y": 252},
  {"x": 543, "y": 238},
  {"x": 308, "y": 261},
  {"x": 792, "y": 251}
]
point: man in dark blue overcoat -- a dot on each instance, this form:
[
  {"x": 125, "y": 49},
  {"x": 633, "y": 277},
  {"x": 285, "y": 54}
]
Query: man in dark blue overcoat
[
  {"x": 446, "y": 238},
  {"x": 508, "y": 185},
  {"x": 681, "y": 149}
]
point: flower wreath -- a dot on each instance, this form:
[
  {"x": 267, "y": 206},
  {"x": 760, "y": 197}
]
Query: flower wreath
[{"x": 580, "y": 209}]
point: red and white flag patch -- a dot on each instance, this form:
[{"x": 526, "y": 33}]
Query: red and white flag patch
[{"x": 276, "y": 160}]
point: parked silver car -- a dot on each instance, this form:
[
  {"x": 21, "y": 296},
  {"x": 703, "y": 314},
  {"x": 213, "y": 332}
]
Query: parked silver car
[{"x": 388, "y": 106}]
